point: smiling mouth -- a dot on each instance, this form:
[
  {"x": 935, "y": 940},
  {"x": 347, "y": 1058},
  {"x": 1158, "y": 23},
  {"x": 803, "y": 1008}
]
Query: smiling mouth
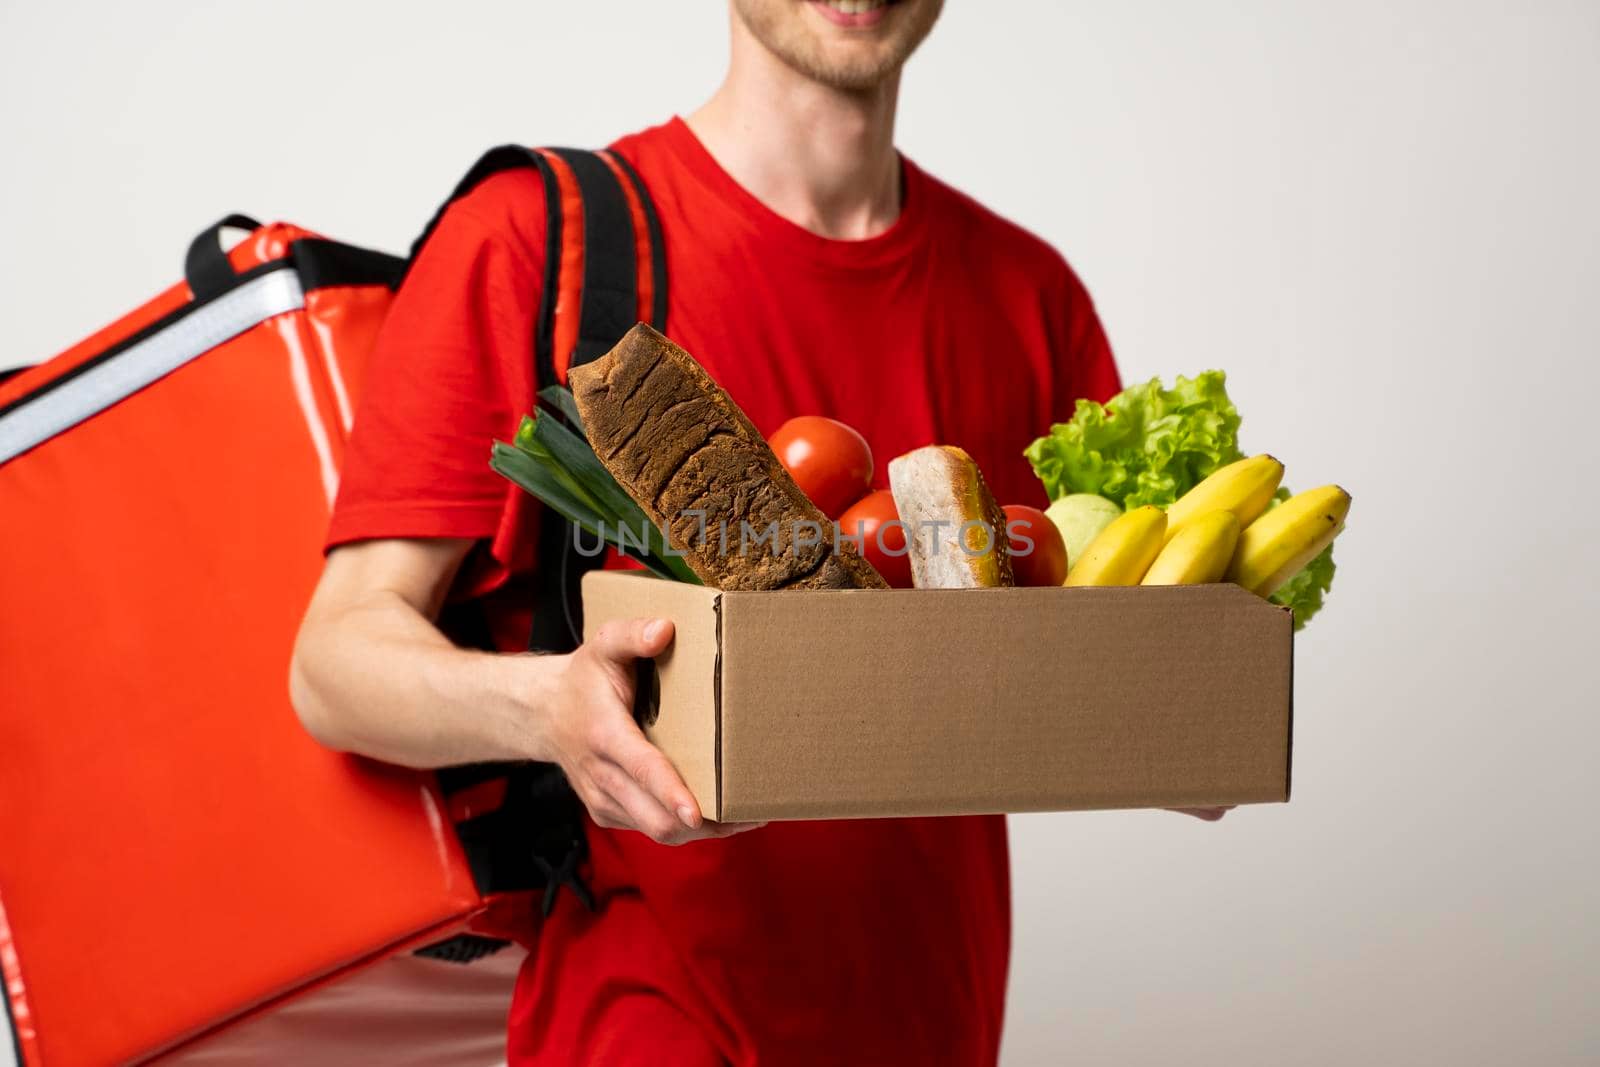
[{"x": 853, "y": 13}]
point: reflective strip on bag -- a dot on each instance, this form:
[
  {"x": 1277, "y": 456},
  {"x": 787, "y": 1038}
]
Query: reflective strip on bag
[{"x": 96, "y": 387}]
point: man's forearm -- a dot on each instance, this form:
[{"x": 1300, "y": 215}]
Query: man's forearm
[
  {"x": 372, "y": 674},
  {"x": 377, "y": 678}
]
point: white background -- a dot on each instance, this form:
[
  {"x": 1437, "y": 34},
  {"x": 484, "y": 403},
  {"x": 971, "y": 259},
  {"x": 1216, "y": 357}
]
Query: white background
[{"x": 1380, "y": 218}]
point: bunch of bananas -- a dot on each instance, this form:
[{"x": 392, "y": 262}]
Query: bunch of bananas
[{"x": 1221, "y": 530}]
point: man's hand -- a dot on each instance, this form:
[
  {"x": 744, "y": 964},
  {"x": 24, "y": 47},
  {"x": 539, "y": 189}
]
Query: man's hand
[{"x": 586, "y": 725}]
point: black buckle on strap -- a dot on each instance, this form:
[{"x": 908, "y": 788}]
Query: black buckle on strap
[{"x": 564, "y": 872}]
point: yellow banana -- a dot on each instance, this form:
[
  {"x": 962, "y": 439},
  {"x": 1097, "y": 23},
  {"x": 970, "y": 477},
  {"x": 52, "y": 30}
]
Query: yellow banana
[
  {"x": 1244, "y": 487},
  {"x": 1199, "y": 554},
  {"x": 1274, "y": 547},
  {"x": 1123, "y": 551}
]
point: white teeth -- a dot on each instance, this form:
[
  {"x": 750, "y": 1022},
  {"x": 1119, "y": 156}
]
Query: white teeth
[{"x": 855, "y": 7}]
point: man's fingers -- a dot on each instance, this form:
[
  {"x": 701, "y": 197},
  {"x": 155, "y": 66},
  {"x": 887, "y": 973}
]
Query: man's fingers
[
  {"x": 625, "y": 640},
  {"x": 1208, "y": 814},
  {"x": 728, "y": 829},
  {"x": 648, "y": 769},
  {"x": 605, "y": 812},
  {"x": 617, "y": 802},
  {"x": 643, "y": 811},
  {"x": 625, "y": 771}
]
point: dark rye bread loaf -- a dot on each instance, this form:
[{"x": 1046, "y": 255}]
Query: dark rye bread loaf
[{"x": 688, "y": 456}]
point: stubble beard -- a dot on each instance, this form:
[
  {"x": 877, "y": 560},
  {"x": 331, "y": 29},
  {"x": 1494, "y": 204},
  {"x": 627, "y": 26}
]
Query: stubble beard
[{"x": 858, "y": 73}]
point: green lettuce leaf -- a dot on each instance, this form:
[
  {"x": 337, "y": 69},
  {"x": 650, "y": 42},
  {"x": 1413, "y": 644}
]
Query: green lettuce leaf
[
  {"x": 1303, "y": 593},
  {"x": 1147, "y": 445}
]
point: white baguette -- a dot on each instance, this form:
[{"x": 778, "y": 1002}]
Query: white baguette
[{"x": 955, "y": 531}]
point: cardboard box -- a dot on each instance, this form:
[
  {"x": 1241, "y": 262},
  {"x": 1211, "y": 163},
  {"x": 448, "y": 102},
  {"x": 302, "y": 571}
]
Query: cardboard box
[{"x": 863, "y": 703}]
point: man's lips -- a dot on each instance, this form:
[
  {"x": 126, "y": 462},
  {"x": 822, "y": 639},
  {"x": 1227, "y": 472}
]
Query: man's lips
[{"x": 835, "y": 11}]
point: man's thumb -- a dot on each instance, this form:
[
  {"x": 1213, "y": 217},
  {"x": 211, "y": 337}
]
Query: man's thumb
[{"x": 628, "y": 639}]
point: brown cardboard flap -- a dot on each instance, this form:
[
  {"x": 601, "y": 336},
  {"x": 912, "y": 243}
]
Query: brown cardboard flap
[{"x": 686, "y": 674}]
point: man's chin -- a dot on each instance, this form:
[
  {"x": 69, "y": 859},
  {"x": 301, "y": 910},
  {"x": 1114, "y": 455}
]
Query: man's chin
[
  {"x": 850, "y": 45},
  {"x": 852, "y": 78}
]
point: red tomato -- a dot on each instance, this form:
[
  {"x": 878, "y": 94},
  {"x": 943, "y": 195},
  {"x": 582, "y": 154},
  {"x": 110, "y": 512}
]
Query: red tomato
[
  {"x": 828, "y": 460},
  {"x": 1038, "y": 554},
  {"x": 886, "y": 550}
]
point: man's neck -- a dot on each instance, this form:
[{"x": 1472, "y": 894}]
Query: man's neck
[{"x": 822, "y": 158}]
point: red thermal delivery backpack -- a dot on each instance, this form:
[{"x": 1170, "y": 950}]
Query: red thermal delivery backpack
[{"x": 185, "y": 875}]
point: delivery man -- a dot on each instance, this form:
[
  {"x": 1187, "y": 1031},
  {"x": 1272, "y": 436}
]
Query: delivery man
[{"x": 814, "y": 270}]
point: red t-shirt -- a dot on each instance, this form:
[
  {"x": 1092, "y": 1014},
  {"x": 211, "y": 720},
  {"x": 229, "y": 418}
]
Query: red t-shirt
[{"x": 867, "y": 942}]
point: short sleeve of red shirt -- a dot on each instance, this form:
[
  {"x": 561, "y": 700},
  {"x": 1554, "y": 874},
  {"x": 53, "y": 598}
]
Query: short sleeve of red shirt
[
  {"x": 452, "y": 372},
  {"x": 1089, "y": 370}
]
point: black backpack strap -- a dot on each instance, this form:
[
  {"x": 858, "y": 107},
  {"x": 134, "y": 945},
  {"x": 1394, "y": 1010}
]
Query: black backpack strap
[
  {"x": 617, "y": 258},
  {"x": 620, "y": 231},
  {"x": 657, "y": 259},
  {"x": 610, "y": 302},
  {"x": 535, "y": 838},
  {"x": 518, "y": 157},
  {"x": 608, "y": 306}
]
